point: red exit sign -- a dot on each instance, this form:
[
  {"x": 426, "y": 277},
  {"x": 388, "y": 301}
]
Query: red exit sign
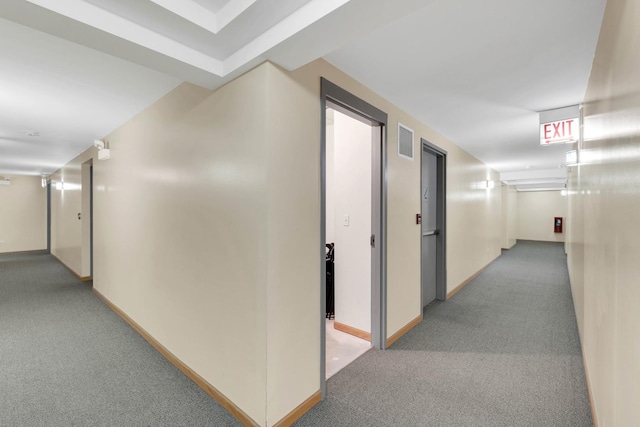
[{"x": 560, "y": 132}]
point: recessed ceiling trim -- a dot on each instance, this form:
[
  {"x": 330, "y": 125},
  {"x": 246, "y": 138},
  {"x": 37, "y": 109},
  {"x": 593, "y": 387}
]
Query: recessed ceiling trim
[
  {"x": 231, "y": 11},
  {"x": 294, "y": 23},
  {"x": 203, "y": 17},
  {"x": 106, "y": 21},
  {"x": 118, "y": 26}
]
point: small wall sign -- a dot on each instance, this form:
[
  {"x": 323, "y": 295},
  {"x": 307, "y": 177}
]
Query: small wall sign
[{"x": 560, "y": 132}]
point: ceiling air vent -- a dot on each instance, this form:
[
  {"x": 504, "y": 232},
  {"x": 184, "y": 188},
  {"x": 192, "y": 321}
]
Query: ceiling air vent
[{"x": 405, "y": 142}]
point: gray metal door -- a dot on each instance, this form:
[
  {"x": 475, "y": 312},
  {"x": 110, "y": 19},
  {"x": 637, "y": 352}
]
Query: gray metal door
[{"x": 430, "y": 229}]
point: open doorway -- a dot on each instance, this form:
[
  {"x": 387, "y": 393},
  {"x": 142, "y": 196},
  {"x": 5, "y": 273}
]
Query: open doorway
[
  {"x": 352, "y": 203},
  {"x": 434, "y": 232},
  {"x": 348, "y": 217}
]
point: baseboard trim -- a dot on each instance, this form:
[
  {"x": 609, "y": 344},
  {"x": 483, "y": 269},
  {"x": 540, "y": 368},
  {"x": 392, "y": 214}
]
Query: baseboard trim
[
  {"x": 29, "y": 252},
  {"x": 406, "y": 328},
  {"x": 352, "y": 331},
  {"x": 594, "y": 416},
  {"x": 299, "y": 411},
  {"x": 193, "y": 376},
  {"x": 466, "y": 282},
  {"x": 79, "y": 277}
]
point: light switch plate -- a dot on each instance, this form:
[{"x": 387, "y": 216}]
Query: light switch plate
[{"x": 345, "y": 221}]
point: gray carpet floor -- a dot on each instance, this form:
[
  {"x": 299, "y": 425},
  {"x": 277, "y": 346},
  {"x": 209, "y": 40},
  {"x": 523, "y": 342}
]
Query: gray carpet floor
[
  {"x": 504, "y": 351},
  {"x": 66, "y": 359}
]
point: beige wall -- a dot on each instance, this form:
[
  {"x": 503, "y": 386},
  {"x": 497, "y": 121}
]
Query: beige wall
[
  {"x": 206, "y": 236},
  {"x": 23, "y": 215},
  {"x": 605, "y": 200},
  {"x": 207, "y": 229},
  {"x": 69, "y": 241},
  {"x": 293, "y": 353},
  {"x": 536, "y": 210},
  {"x": 181, "y": 236},
  {"x": 509, "y": 224}
]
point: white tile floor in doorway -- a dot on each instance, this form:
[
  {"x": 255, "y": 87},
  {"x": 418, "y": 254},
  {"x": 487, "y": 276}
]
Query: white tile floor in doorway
[{"x": 342, "y": 349}]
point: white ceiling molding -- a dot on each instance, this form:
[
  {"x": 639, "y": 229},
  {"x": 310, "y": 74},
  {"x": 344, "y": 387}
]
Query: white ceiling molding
[
  {"x": 294, "y": 23},
  {"x": 203, "y": 17},
  {"x": 123, "y": 28},
  {"x": 111, "y": 23}
]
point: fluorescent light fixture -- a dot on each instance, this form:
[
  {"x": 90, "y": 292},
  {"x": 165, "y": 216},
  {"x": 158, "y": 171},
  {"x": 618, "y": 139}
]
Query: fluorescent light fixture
[{"x": 541, "y": 187}]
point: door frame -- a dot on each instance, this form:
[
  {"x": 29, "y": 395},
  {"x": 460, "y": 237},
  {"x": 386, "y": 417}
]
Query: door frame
[
  {"x": 48, "y": 215},
  {"x": 441, "y": 218},
  {"x": 349, "y": 104},
  {"x": 91, "y": 220}
]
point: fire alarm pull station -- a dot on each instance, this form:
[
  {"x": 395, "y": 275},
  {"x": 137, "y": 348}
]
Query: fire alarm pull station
[{"x": 557, "y": 224}]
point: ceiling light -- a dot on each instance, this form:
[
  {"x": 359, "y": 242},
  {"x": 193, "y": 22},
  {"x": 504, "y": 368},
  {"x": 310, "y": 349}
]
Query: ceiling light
[{"x": 541, "y": 187}]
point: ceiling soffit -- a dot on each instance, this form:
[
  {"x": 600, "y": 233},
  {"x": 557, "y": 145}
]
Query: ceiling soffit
[{"x": 192, "y": 33}]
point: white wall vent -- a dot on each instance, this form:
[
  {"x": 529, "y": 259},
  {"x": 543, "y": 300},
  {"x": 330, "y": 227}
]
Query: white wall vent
[{"x": 405, "y": 142}]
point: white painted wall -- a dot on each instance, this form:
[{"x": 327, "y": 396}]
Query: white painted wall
[
  {"x": 603, "y": 245},
  {"x": 330, "y": 180},
  {"x": 536, "y": 210},
  {"x": 509, "y": 216},
  {"x": 351, "y": 195},
  {"x": 23, "y": 215}
]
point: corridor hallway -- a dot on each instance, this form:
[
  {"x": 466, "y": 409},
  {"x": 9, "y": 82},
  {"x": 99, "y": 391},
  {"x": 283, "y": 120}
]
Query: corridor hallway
[{"x": 504, "y": 351}]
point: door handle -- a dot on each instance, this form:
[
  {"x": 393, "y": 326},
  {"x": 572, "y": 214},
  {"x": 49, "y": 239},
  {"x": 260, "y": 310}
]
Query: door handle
[{"x": 430, "y": 233}]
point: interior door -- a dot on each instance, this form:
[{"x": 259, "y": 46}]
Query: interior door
[{"x": 429, "y": 226}]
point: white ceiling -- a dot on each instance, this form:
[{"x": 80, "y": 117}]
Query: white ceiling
[
  {"x": 74, "y": 70},
  {"x": 478, "y": 72}
]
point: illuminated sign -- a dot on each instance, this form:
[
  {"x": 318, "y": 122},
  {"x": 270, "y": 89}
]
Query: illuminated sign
[{"x": 560, "y": 132}]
